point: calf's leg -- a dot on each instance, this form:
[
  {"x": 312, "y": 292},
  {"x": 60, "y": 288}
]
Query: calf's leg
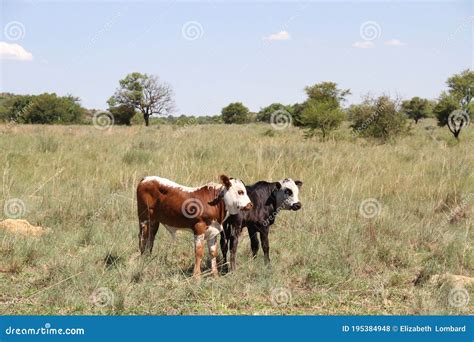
[
  {"x": 224, "y": 249},
  {"x": 198, "y": 253},
  {"x": 265, "y": 245},
  {"x": 254, "y": 244},
  {"x": 144, "y": 226},
  {"x": 147, "y": 235},
  {"x": 212, "y": 245},
  {"x": 234, "y": 242}
]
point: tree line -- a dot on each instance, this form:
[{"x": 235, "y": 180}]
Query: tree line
[{"x": 146, "y": 96}]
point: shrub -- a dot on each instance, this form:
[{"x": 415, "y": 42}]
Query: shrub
[
  {"x": 122, "y": 114},
  {"x": 378, "y": 118},
  {"x": 43, "y": 109},
  {"x": 265, "y": 114},
  {"x": 323, "y": 116},
  {"x": 235, "y": 113}
]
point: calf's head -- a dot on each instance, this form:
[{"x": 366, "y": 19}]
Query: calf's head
[
  {"x": 287, "y": 194},
  {"x": 234, "y": 195}
]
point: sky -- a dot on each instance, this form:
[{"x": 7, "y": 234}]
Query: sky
[{"x": 215, "y": 52}]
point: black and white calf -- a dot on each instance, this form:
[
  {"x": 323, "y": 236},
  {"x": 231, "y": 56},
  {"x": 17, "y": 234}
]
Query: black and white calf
[{"x": 268, "y": 199}]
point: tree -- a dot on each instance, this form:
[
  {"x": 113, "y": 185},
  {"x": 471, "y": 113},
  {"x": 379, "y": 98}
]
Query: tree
[
  {"x": 235, "y": 113},
  {"x": 122, "y": 114},
  {"x": 461, "y": 87},
  {"x": 145, "y": 93},
  {"x": 445, "y": 111},
  {"x": 417, "y": 108},
  {"x": 321, "y": 115},
  {"x": 327, "y": 92},
  {"x": 323, "y": 108},
  {"x": 454, "y": 107},
  {"x": 379, "y": 118},
  {"x": 265, "y": 114}
]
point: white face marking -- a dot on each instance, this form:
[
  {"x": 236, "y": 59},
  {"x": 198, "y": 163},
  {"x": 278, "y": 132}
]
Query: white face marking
[
  {"x": 236, "y": 198},
  {"x": 288, "y": 195}
]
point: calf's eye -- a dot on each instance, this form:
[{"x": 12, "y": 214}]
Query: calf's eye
[{"x": 240, "y": 192}]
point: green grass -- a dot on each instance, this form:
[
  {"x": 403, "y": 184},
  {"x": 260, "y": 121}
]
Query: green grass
[{"x": 328, "y": 258}]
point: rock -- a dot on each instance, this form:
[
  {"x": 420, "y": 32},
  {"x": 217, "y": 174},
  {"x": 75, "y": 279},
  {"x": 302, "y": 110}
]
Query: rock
[{"x": 23, "y": 227}]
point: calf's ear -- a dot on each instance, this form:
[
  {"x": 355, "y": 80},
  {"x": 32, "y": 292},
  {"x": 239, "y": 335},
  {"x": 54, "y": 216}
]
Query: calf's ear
[
  {"x": 226, "y": 181},
  {"x": 216, "y": 200},
  {"x": 298, "y": 183}
]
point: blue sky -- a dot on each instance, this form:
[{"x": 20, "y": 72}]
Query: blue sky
[{"x": 254, "y": 52}]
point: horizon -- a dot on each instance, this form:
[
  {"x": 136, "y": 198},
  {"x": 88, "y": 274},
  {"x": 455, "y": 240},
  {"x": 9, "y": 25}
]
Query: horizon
[{"x": 213, "y": 54}]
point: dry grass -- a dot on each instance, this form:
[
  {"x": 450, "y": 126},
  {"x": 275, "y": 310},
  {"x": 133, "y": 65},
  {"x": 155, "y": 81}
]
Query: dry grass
[{"x": 330, "y": 259}]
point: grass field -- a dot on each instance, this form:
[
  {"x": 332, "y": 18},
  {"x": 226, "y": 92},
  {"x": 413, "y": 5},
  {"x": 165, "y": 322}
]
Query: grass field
[{"x": 328, "y": 258}]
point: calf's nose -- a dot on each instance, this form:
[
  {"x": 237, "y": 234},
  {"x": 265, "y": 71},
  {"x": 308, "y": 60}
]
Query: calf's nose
[
  {"x": 248, "y": 206},
  {"x": 296, "y": 206}
]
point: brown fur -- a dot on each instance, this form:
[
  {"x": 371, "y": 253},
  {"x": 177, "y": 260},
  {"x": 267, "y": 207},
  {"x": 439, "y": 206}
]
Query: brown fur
[{"x": 159, "y": 203}]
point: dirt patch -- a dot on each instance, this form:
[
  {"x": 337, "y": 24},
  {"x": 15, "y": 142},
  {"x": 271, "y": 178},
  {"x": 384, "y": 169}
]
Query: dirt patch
[
  {"x": 453, "y": 279},
  {"x": 23, "y": 227}
]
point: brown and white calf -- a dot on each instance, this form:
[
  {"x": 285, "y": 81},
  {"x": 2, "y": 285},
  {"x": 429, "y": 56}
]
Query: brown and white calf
[{"x": 202, "y": 210}]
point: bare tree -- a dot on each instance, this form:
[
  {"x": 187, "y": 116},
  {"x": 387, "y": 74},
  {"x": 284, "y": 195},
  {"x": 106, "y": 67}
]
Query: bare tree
[{"x": 146, "y": 93}]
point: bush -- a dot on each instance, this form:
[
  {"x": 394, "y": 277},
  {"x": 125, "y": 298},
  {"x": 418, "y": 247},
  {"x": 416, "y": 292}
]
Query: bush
[
  {"x": 235, "y": 113},
  {"x": 265, "y": 114},
  {"x": 122, "y": 114},
  {"x": 42, "y": 109},
  {"x": 379, "y": 118},
  {"x": 324, "y": 116}
]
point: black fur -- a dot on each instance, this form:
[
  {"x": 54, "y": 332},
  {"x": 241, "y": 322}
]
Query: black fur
[{"x": 257, "y": 220}]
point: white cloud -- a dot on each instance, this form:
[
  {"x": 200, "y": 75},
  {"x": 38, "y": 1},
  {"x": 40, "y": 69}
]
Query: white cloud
[
  {"x": 394, "y": 42},
  {"x": 364, "y": 45},
  {"x": 282, "y": 35},
  {"x": 14, "y": 51}
]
